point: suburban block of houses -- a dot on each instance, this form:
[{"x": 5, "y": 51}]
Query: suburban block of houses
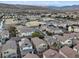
[{"x": 38, "y": 33}]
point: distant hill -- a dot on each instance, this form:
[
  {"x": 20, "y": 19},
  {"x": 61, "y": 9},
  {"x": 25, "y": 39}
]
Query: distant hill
[
  {"x": 7, "y": 7},
  {"x": 73, "y": 7},
  {"x": 21, "y": 6},
  {"x": 30, "y": 7}
]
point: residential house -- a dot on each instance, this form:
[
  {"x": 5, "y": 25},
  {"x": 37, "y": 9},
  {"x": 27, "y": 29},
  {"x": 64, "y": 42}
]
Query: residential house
[
  {"x": 59, "y": 23},
  {"x": 52, "y": 54},
  {"x": 70, "y": 23},
  {"x": 74, "y": 37},
  {"x": 53, "y": 15},
  {"x": 25, "y": 46},
  {"x": 50, "y": 40},
  {"x": 70, "y": 29},
  {"x": 34, "y": 23},
  {"x": 77, "y": 35},
  {"x": 29, "y": 55},
  {"x": 33, "y": 17},
  {"x": 10, "y": 21},
  {"x": 0, "y": 51},
  {"x": 76, "y": 28},
  {"x": 25, "y": 31},
  {"x": 68, "y": 52},
  {"x": 76, "y": 48},
  {"x": 58, "y": 31},
  {"x": 54, "y": 30},
  {"x": 63, "y": 25},
  {"x": 4, "y": 35},
  {"x": 17, "y": 39},
  {"x": 39, "y": 44},
  {"x": 47, "y": 15},
  {"x": 73, "y": 28},
  {"x": 9, "y": 50},
  {"x": 67, "y": 39},
  {"x": 47, "y": 19},
  {"x": 43, "y": 27}
]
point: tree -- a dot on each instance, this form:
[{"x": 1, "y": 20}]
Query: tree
[
  {"x": 57, "y": 45},
  {"x": 49, "y": 33},
  {"x": 19, "y": 19},
  {"x": 49, "y": 15},
  {"x": 12, "y": 31},
  {"x": 42, "y": 15},
  {"x": 67, "y": 17},
  {"x": 27, "y": 19},
  {"x": 39, "y": 25}
]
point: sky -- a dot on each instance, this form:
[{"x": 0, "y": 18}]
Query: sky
[{"x": 43, "y": 3}]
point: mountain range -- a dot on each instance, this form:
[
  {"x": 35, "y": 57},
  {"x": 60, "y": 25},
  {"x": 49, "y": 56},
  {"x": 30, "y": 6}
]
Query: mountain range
[{"x": 73, "y": 7}]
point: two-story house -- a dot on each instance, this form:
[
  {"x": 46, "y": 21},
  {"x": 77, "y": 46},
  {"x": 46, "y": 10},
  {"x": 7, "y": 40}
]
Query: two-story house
[
  {"x": 9, "y": 50},
  {"x": 25, "y": 46},
  {"x": 4, "y": 35},
  {"x": 39, "y": 44},
  {"x": 25, "y": 31}
]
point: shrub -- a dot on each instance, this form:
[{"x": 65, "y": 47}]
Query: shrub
[
  {"x": 49, "y": 33},
  {"x": 37, "y": 34}
]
